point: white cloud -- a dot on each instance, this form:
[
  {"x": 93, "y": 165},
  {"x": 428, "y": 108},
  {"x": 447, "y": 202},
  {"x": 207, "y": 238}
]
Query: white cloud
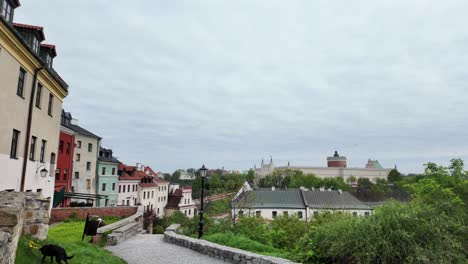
[{"x": 178, "y": 83}]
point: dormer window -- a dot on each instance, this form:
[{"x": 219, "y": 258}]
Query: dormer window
[
  {"x": 35, "y": 45},
  {"x": 6, "y": 10},
  {"x": 49, "y": 61}
]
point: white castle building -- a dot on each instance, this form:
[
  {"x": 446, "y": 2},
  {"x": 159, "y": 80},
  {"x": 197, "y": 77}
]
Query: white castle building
[{"x": 337, "y": 167}]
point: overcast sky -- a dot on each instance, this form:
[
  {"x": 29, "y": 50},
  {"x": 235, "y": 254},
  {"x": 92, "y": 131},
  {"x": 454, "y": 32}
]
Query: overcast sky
[{"x": 174, "y": 84}]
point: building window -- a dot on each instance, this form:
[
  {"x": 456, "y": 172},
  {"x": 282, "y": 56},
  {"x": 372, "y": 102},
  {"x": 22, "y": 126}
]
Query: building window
[
  {"x": 144, "y": 195},
  {"x": 21, "y": 80},
  {"x": 88, "y": 184},
  {"x": 78, "y": 157},
  {"x": 285, "y": 213},
  {"x": 78, "y": 145},
  {"x": 90, "y": 147},
  {"x": 65, "y": 172},
  {"x": 152, "y": 194},
  {"x": 88, "y": 165},
  {"x": 241, "y": 213},
  {"x": 258, "y": 213},
  {"x": 274, "y": 214},
  {"x": 32, "y": 150},
  {"x": 43, "y": 149},
  {"x": 68, "y": 148},
  {"x": 57, "y": 174},
  {"x": 61, "y": 146},
  {"x": 113, "y": 186},
  {"x": 158, "y": 210},
  {"x": 38, "y": 95},
  {"x": 103, "y": 170},
  {"x": 316, "y": 213},
  {"x": 77, "y": 175},
  {"x": 128, "y": 202},
  {"x": 120, "y": 188},
  {"x": 6, "y": 11},
  {"x": 128, "y": 188},
  {"x": 299, "y": 214},
  {"x": 123, "y": 189},
  {"x": 35, "y": 45},
  {"x": 103, "y": 187},
  {"x": 113, "y": 171},
  {"x": 51, "y": 103},
  {"x": 354, "y": 213}
]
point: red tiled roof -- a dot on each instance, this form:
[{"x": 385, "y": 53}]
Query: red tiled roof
[
  {"x": 187, "y": 187},
  {"x": 160, "y": 181},
  {"x": 128, "y": 177},
  {"x": 51, "y": 47},
  {"x": 36, "y": 28},
  {"x": 126, "y": 167},
  {"x": 147, "y": 185}
]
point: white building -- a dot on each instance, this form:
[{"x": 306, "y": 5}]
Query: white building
[
  {"x": 180, "y": 199},
  {"x": 303, "y": 203},
  {"x": 186, "y": 176},
  {"x": 336, "y": 167}
]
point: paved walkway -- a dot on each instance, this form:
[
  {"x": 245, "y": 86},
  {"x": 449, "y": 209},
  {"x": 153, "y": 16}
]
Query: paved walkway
[{"x": 143, "y": 249}]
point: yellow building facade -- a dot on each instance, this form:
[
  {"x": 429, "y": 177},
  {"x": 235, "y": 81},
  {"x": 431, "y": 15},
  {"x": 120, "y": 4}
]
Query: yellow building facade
[{"x": 31, "y": 96}]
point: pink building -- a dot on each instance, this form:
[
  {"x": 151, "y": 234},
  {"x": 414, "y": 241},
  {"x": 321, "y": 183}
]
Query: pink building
[{"x": 128, "y": 186}]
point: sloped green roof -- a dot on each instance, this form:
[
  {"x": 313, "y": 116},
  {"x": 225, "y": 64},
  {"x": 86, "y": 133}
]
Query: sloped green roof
[{"x": 271, "y": 199}]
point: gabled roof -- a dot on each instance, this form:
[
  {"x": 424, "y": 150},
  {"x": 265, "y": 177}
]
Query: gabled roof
[
  {"x": 82, "y": 131},
  {"x": 38, "y": 29},
  {"x": 271, "y": 199},
  {"x": 299, "y": 199},
  {"x": 174, "y": 199},
  {"x": 333, "y": 200}
]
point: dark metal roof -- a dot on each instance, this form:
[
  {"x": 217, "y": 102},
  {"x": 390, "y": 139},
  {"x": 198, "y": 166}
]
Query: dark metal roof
[
  {"x": 333, "y": 200},
  {"x": 82, "y": 131},
  {"x": 271, "y": 199},
  {"x": 299, "y": 199}
]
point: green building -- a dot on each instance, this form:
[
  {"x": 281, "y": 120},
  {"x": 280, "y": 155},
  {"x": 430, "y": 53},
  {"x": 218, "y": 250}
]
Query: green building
[{"x": 108, "y": 178}]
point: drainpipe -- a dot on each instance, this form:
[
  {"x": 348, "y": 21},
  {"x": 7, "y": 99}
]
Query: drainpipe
[{"x": 28, "y": 128}]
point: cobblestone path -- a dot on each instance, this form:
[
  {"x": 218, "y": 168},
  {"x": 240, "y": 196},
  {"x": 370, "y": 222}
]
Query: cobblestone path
[{"x": 152, "y": 249}]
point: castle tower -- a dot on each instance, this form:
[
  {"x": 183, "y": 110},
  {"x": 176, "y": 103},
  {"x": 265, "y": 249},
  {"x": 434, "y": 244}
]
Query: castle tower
[{"x": 337, "y": 161}]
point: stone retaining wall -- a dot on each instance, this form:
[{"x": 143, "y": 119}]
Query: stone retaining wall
[
  {"x": 21, "y": 213},
  {"x": 60, "y": 214},
  {"x": 121, "y": 230},
  {"x": 228, "y": 254}
]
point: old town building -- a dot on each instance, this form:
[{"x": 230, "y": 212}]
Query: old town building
[
  {"x": 31, "y": 96},
  {"x": 108, "y": 177}
]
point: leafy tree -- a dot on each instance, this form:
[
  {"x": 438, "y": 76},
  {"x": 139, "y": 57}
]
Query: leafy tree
[
  {"x": 394, "y": 176},
  {"x": 250, "y": 176}
]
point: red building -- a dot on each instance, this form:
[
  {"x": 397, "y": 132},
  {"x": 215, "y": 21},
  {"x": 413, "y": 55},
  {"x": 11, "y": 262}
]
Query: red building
[{"x": 64, "y": 170}]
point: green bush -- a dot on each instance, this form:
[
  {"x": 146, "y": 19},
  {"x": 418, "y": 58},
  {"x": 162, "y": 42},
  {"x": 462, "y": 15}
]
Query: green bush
[
  {"x": 158, "y": 230},
  {"x": 286, "y": 231},
  {"x": 396, "y": 233},
  {"x": 254, "y": 228}
]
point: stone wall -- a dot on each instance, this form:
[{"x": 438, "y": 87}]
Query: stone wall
[
  {"x": 121, "y": 230},
  {"x": 21, "y": 213},
  {"x": 60, "y": 214},
  {"x": 228, "y": 254}
]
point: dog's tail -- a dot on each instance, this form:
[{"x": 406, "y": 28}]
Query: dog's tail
[{"x": 69, "y": 257}]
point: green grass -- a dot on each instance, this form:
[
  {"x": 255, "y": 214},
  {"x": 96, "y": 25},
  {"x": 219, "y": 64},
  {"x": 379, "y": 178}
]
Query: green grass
[
  {"x": 68, "y": 236},
  {"x": 245, "y": 243}
]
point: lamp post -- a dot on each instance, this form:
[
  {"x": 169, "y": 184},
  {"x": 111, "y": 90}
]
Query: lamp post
[{"x": 203, "y": 172}]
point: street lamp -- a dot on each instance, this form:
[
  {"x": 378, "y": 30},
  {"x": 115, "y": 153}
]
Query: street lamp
[
  {"x": 43, "y": 172},
  {"x": 203, "y": 172}
]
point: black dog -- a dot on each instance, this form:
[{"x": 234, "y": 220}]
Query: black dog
[{"x": 54, "y": 251}]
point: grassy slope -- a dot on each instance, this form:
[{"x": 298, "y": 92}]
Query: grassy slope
[
  {"x": 245, "y": 243},
  {"x": 68, "y": 236}
]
